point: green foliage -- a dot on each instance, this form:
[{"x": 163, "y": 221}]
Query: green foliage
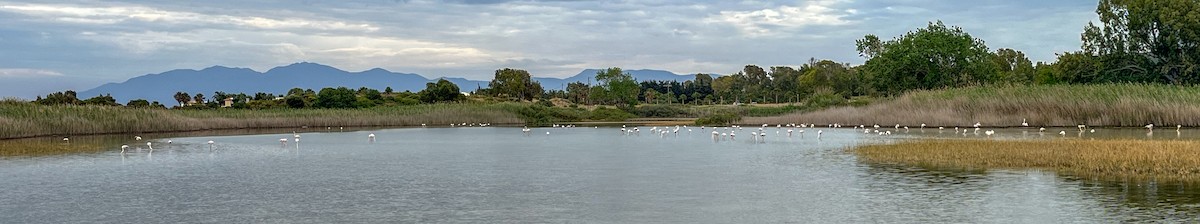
[
  {"x": 514, "y": 83},
  {"x": 933, "y": 57},
  {"x": 824, "y": 98},
  {"x": 340, "y": 97},
  {"x": 105, "y": 100},
  {"x": 59, "y": 98},
  {"x": 609, "y": 114},
  {"x": 617, "y": 87},
  {"x": 1146, "y": 40},
  {"x": 723, "y": 118},
  {"x": 659, "y": 111},
  {"x": 139, "y": 103},
  {"x": 440, "y": 91}
]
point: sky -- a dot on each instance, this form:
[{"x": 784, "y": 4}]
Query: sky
[{"x": 49, "y": 46}]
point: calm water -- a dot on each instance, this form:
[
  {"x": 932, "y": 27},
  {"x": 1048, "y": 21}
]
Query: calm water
[{"x": 578, "y": 175}]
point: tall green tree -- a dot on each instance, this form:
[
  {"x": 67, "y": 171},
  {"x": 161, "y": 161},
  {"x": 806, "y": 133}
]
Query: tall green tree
[
  {"x": 182, "y": 97},
  {"x": 1146, "y": 40},
  {"x": 1013, "y": 66},
  {"x": 440, "y": 91},
  {"x": 619, "y": 87},
  {"x": 340, "y": 97},
  {"x": 514, "y": 83},
  {"x": 936, "y": 56}
]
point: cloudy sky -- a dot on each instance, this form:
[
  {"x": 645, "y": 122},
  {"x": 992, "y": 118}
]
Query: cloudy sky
[{"x": 48, "y": 46}]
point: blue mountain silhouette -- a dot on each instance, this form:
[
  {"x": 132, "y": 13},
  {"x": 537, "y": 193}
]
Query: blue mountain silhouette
[{"x": 306, "y": 75}]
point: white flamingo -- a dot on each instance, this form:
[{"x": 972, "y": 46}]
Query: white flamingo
[
  {"x": 151, "y": 146},
  {"x": 371, "y": 137},
  {"x": 137, "y": 138},
  {"x": 123, "y": 148},
  {"x": 1023, "y": 123},
  {"x": 210, "y": 145}
]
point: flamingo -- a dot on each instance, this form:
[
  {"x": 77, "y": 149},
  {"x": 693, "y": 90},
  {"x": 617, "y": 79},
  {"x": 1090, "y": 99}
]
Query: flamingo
[
  {"x": 123, "y": 148},
  {"x": 1023, "y": 123},
  {"x": 989, "y": 133},
  {"x": 137, "y": 138},
  {"x": 66, "y": 139},
  {"x": 151, "y": 146},
  {"x": 1063, "y": 133},
  {"x": 210, "y": 145},
  {"x": 1150, "y": 127},
  {"x": 977, "y": 124},
  {"x": 371, "y": 137},
  {"x": 819, "y": 132},
  {"x": 283, "y": 141},
  {"x": 1042, "y": 129}
]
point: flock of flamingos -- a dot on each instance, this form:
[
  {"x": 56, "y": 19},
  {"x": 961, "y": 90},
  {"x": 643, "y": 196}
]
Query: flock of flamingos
[{"x": 724, "y": 133}]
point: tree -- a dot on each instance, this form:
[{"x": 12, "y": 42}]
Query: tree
[
  {"x": 199, "y": 98},
  {"x": 933, "y": 57},
  {"x": 182, "y": 98},
  {"x": 578, "y": 92},
  {"x": 1013, "y": 66},
  {"x": 514, "y": 83},
  {"x": 823, "y": 74},
  {"x": 1149, "y": 40},
  {"x": 440, "y": 91},
  {"x": 340, "y": 97},
  {"x": 58, "y": 98},
  {"x": 295, "y": 101},
  {"x": 103, "y": 100},
  {"x": 618, "y": 87},
  {"x": 138, "y": 103},
  {"x": 388, "y": 90}
]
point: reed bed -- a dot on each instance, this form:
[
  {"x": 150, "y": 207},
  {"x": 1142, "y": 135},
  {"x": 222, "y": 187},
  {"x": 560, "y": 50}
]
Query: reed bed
[
  {"x": 1105, "y": 159},
  {"x": 22, "y": 120},
  {"x": 1111, "y": 105}
]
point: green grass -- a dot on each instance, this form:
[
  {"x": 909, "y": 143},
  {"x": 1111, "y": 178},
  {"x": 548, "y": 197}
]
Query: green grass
[{"x": 1123, "y": 105}]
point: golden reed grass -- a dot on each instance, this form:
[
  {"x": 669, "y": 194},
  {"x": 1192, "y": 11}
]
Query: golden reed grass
[
  {"x": 1108, "y": 159},
  {"x": 22, "y": 120},
  {"x": 1112, "y": 105}
]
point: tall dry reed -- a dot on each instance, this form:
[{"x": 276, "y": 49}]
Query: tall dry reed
[
  {"x": 1109, "y": 159},
  {"x": 20, "y": 120},
  {"x": 1124, "y": 105}
]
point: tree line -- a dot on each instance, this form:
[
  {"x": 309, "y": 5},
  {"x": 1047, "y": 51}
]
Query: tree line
[{"x": 1136, "y": 41}]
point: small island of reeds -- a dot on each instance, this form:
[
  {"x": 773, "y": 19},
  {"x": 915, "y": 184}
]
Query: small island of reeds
[{"x": 1103, "y": 159}]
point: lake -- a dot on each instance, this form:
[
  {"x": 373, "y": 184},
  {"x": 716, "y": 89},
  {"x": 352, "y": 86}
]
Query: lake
[{"x": 571, "y": 175}]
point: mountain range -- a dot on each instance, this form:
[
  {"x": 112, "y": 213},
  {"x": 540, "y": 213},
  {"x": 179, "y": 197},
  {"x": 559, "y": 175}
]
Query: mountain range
[{"x": 161, "y": 87}]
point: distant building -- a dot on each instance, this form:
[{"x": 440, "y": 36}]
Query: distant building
[{"x": 228, "y": 102}]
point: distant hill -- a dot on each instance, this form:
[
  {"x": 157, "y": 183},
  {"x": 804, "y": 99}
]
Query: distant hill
[{"x": 161, "y": 87}]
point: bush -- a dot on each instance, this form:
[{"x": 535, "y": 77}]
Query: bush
[
  {"x": 718, "y": 119},
  {"x": 659, "y": 111},
  {"x": 609, "y": 114}
]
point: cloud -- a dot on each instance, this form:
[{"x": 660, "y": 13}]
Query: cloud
[
  {"x": 118, "y": 39},
  {"x": 764, "y": 22},
  {"x": 124, "y": 14},
  {"x": 25, "y": 72}
]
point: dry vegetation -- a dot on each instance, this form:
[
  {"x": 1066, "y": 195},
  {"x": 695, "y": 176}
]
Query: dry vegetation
[
  {"x": 21, "y": 120},
  {"x": 1108, "y": 159},
  {"x": 1125, "y": 105}
]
